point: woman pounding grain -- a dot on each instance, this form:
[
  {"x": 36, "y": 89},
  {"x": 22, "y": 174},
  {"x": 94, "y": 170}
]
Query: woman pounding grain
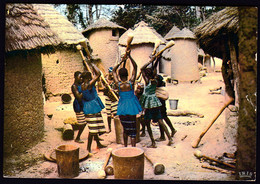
[
  {"x": 77, "y": 104},
  {"x": 150, "y": 102},
  {"x": 128, "y": 104},
  {"x": 92, "y": 107}
]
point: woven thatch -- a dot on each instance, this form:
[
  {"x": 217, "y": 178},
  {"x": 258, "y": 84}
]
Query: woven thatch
[
  {"x": 143, "y": 34},
  {"x": 184, "y": 34},
  {"x": 211, "y": 31},
  {"x": 102, "y": 23},
  {"x": 26, "y": 30},
  {"x": 170, "y": 34},
  {"x": 123, "y": 38},
  {"x": 59, "y": 24}
]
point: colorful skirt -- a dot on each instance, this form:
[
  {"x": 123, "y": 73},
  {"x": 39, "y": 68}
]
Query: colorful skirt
[
  {"x": 111, "y": 107},
  {"x": 95, "y": 124},
  {"x": 80, "y": 118},
  {"x": 129, "y": 124}
]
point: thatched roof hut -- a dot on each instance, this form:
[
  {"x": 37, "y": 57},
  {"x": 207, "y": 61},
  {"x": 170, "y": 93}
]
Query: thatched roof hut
[
  {"x": 27, "y": 35},
  {"x": 59, "y": 68},
  {"x": 184, "y": 34},
  {"x": 101, "y": 24},
  {"x": 59, "y": 24},
  {"x": 26, "y": 30},
  {"x": 142, "y": 34},
  {"x": 169, "y": 35},
  {"x": 216, "y": 28}
]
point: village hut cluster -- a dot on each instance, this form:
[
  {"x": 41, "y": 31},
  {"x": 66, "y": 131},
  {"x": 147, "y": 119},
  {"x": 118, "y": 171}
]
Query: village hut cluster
[{"x": 41, "y": 58}]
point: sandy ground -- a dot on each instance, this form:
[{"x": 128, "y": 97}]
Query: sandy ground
[{"x": 178, "y": 159}]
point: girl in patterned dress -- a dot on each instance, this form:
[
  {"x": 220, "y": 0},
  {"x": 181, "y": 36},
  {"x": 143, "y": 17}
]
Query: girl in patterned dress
[
  {"x": 128, "y": 104},
  {"x": 92, "y": 107},
  {"x": 149, "y": 102}
]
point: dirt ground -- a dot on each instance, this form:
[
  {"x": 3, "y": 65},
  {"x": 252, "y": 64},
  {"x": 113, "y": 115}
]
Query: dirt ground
[{"x": 178, "y": 159}]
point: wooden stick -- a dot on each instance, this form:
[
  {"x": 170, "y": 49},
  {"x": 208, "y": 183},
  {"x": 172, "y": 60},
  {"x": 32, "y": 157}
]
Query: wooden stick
[
  {"x": 102, "y": 173},
  {"x": 102, "y": 76},
  {"x": 156, "y": 45},
  {"x": 196, "y": 143},
  {"x": 218, "y": 169},
  {"x": 157, "y": 167},
  {"x": 199, "y": 155},
  {"x": 168, "y": 45},
  {"x": 129, "y": 40}
]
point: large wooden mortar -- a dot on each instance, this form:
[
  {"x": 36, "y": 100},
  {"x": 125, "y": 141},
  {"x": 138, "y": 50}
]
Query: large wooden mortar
[
  {"x": 67, "y": 158},
  {"x": 128, "y": 163}
]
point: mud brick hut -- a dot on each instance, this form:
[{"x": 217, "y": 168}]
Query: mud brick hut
[
  {"x": 103, "y": 36},
  {"x": 143, "y": 43},
  {"x": 59, "y": 68},
  {"x": 165, "y": 66},
  {"x": 184, "y": 57},
  {"x": 27, "y": 35},
  {"x": 231, "y": 35}
]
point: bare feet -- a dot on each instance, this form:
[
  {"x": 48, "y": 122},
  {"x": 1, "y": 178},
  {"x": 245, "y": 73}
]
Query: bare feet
[
  {"x": 79, "y": 141},
  {"x": 173, "y": 132},
  {"x": 160, "y": 139},
  {"x": 152, "y": 145},
  {"x": 101, "y": 146},
  {"x": 170, "y": 142},
  {"x": 142, "y": 134}
]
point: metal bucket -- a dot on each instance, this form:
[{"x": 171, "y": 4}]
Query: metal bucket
[
  {"x": 173, "y": 103},
  {"x": 67, "y": 158},
  {"x": 128, "y": 163}
]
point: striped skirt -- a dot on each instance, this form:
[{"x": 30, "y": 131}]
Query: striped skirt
[
  {"x": 80, "y": 118},
  {"x": 111, "y": 107},
  {"x": 129, "y": 124},
  {"x": 95, "y": 123}
]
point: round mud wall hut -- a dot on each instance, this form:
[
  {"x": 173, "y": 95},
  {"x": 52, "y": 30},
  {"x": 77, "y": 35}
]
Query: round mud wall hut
[
  {"x": 59, "y": 67},
  {"x": 142, "y": 45},
  {"x": 103, "y": 37},
  {"x": 184, "y": 57},
  {"x": 165, "y": 64},
  {"x": 23, "y": 99}
]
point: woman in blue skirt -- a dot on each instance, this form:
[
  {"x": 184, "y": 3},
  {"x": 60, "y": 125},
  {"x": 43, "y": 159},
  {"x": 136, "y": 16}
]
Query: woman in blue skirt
[
  {"x": 128, "y": 104},
  {"x": 92, "y": 107}
]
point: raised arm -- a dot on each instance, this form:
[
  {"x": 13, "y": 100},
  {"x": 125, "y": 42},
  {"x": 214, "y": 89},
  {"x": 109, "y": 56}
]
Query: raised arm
[
  {"x": 96, "y": 76},
  {"x": 133, "y": 77},
  {"x": 146, "y": 78},
  {"x": 115, "y": 76}
]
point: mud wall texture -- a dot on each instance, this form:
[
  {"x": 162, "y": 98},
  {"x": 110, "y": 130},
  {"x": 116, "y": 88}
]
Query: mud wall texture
[
  {"x": 105, "y": 45},
  {"x": 58, "y": 70},
  {"x": 184, "y": 57},
  {"x": 246, "y": 138},
  {"x": 23, "y": 103}
]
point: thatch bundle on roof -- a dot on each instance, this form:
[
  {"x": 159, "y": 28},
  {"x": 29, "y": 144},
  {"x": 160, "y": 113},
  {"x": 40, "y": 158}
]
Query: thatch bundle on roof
[
  {"x": 25, "y": 29},
  {"x": 102, "y": 23},
  {"x": 170, "y": 34},
  {"x": 142, "y": 34},
  {"x": 184, "y": 34},
  {"x": 59, "y": 24},
  {"x": 212, "y": 31}
]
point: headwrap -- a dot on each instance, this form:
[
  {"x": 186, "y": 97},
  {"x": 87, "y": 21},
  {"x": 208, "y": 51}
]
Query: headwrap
[{"x": 110, "y": 69}]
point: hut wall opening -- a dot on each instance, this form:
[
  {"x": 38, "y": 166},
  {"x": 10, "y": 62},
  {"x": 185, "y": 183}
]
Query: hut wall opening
[{"x": 58, "y": 69}]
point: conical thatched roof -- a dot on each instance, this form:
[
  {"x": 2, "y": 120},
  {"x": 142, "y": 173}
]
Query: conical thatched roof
[
  {"x": 143, "y": 34},
  {"x": 212, "y": 30},
  {"x": 184, "y": 34},
  {"x": 170, "y": 34},
  {"x": 26, "y": 30},
  {"x": 102, "y": 23},
  {"x": 59, "y": 24},
  {"x": 123, "y": 38}
]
